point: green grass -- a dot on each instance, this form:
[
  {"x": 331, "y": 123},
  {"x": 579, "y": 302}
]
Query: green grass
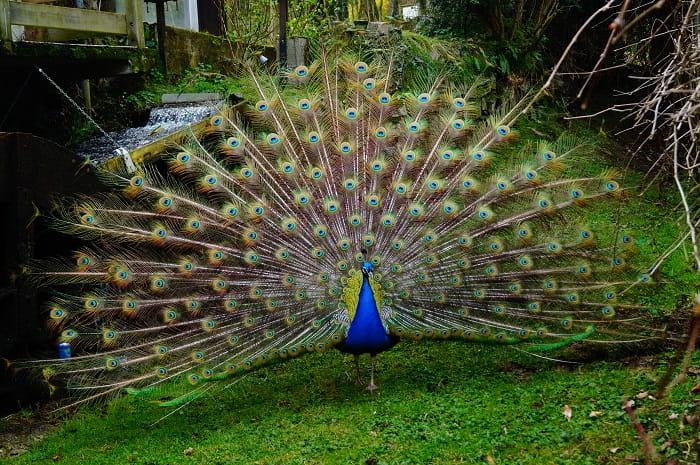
[
  {"x": 203, "y": 78},
  {"x": 438, "y": 403}
]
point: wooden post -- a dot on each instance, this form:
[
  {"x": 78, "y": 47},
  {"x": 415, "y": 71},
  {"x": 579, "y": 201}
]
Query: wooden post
[
  {"x": 283, "y": 34},
  {"x": 5, "y": 23},
  {"x": 85, "y": 85},
  {"x": 134, "y": 23},
  {"x": 160, "y": 20}
]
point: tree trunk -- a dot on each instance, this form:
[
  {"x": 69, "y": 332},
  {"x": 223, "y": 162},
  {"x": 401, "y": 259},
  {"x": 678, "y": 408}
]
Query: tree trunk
[
  {"x": 370, "y": 10},
  {"x": 394, "y": 12}
]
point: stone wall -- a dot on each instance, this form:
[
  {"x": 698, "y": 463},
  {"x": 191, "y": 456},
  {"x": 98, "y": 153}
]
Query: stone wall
[{"x": 186, "y": 49}]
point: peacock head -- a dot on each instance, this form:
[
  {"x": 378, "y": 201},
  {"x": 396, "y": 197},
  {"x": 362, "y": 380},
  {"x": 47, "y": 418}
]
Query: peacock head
[{"x": 367, "y": 269}]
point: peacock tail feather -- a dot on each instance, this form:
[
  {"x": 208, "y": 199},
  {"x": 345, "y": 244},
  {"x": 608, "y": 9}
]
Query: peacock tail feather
[{"x": 250, "y": 248}]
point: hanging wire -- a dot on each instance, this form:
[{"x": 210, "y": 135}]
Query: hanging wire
[
  {"x": 124, "y": 153},
  {"x": 78, "y": 107}
]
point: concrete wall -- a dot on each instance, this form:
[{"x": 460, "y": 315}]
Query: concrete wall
[{"x": 186, "y": 49}]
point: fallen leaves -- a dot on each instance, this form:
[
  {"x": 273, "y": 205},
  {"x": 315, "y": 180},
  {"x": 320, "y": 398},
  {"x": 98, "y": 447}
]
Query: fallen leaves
[
  {"x": 567, "y": 412},
  {"x": 644, "y": 395},
  {"x": 667, "y": 444}
]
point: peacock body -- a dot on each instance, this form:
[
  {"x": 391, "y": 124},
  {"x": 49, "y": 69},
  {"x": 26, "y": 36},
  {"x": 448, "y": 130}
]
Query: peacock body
[{"x": 334, "y": 213}]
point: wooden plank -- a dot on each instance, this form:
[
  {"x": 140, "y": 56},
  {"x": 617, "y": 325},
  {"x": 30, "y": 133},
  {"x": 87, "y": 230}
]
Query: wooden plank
[
  {"x": 134, "y": 23},
  {"x": 157, "y": 148},
  {"x": 58, "y": 17},
  {"x": 5, "y": 24},
  {"x": 78, "y": 61}
]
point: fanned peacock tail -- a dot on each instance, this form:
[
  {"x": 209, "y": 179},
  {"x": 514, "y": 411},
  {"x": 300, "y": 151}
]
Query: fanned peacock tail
[{"x": 253, "y": 246}]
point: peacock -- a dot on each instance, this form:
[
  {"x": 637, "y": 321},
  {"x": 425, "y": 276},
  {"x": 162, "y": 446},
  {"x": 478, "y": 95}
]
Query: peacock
[{"x": 334, "y": 212}]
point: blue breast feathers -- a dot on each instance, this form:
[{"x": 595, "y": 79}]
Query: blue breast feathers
[{"x": 366, "y": 333}]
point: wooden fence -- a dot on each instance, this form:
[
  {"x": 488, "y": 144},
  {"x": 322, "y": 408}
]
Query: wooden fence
[{"x": 72, "y": 19}]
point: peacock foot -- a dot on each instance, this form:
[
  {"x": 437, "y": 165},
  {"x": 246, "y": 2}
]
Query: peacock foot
[{"x": 359, "y": 381}]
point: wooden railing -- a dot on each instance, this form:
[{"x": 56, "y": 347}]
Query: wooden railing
[{"x": 73, "y": 19}]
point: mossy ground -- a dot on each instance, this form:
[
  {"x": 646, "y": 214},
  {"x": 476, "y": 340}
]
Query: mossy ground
[{"x": 438, "y": 403}]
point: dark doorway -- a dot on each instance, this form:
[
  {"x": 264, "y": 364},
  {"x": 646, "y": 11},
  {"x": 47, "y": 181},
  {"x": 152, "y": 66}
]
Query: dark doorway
[{"x": 211, "y": 16}]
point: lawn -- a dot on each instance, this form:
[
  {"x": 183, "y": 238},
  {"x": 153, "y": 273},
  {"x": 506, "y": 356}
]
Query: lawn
[{"x": 437, "y": 403}]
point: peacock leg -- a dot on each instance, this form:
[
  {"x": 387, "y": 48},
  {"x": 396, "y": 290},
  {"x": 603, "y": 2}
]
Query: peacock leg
[
  {"x": 371, "y": 386},
  {"x": 359, "y": 380}
]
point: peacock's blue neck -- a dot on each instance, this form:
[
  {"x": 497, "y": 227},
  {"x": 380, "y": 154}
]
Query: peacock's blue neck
[{"x": 366, "y": 333}]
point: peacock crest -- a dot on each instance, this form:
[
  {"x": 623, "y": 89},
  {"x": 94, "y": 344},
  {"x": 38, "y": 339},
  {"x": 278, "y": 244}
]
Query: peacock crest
[{"x": 330, "y": 204}]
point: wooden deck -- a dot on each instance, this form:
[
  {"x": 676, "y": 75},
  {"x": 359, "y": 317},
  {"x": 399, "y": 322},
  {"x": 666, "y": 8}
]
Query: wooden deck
[{"x": 75, "y": 59}]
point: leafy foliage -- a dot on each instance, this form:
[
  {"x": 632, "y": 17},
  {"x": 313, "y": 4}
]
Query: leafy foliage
[
  {"x": 309, "y": 18},
  {"x": 202, "y": 78},
  {"x": 250, "y": 24},
  {"x": 418, "y": 59},
  {"x": 511, "y": 33}
]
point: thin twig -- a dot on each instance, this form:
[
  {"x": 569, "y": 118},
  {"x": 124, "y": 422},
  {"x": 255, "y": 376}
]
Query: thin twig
[
  {"x": 650, "y": 453},
  {"x": 664, "y": 385},
  {"x": 564, "y": 54}
]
